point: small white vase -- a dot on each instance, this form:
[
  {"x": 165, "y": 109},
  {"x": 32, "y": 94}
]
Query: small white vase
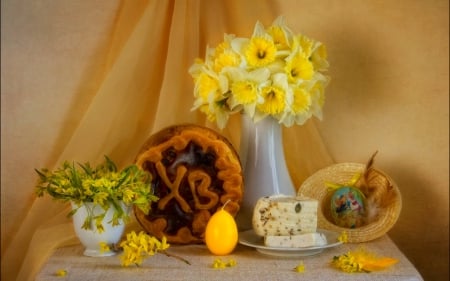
[
  {"x": 92, "y": 238},
  {"x": 264, "y": 165}
]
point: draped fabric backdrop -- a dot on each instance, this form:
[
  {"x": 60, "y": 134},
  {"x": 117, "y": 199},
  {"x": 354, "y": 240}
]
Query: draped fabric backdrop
[{"x": 84, "y": 79}]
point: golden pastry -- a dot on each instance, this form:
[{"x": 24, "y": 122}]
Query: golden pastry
[{"x": 194, "y": 171}]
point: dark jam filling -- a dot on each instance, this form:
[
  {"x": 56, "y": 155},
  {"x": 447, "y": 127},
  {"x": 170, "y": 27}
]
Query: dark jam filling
[{"x": 193, "y": 158}]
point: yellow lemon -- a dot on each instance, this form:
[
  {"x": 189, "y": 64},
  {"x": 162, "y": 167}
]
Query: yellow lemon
[{"x": 221, "y": 234}]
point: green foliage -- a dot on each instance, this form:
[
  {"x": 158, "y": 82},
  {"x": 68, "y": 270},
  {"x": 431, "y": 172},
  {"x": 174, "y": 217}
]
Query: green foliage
[{"x": 103, "y": 185}]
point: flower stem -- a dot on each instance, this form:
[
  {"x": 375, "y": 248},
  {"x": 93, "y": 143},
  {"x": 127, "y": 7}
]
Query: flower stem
[{"x": 175, "y": 256}]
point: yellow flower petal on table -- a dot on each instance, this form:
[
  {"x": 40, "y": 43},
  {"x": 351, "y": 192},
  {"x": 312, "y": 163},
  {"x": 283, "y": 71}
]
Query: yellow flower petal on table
[
  {"x": 219, "y": 264},
  {"x": 362, "y": 261},
  {"x": 232, "y": 263},
  {"x": 139, "y": 246},
  {"x": 61, "y": 272},
  {"x": 379, "y": 264},
  {"x": 300, "y": 267},
  {"x": 164, "y": 244},
  {"x": 343, "y": 237},
  {"x": 104, "y": 247}
]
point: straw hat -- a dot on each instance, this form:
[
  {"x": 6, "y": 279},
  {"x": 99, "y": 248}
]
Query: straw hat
[{"x": 388, "y": 207}]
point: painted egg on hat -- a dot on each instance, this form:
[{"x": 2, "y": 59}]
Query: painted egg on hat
[{"x": 347, "y": 207}]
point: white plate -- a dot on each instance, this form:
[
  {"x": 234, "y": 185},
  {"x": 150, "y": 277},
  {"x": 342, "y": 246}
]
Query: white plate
[{"x": 249, "y": 238}]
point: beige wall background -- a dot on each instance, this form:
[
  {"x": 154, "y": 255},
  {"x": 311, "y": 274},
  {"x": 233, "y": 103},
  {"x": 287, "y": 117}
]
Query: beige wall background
[{"x": 389, "y": 92}]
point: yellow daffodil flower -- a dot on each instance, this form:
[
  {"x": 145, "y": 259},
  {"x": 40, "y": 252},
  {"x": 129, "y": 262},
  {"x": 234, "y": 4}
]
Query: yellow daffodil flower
[
  {"x": 244, "y": 74},
  {"x": 299, "y": 107},
  {"x": 275, "y": 101},
  {"x": 246, "y": 88},
  {"x": 298, "y": 67},
  {"x": 260, "y": 51},
  {"x": 281, "y": 34}
]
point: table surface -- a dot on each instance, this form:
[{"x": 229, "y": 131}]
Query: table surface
[{"x": 251, "y": 265}]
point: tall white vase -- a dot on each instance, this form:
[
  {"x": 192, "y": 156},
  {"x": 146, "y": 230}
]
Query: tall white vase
[
  {"x": 92, "y": 238},
  {"x": 264, "y": 165}
]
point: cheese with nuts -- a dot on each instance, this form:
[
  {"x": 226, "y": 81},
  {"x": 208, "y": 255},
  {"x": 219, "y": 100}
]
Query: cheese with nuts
[
  {"x": 296, "y": 241},
  {"x": 281, "y": 215}
]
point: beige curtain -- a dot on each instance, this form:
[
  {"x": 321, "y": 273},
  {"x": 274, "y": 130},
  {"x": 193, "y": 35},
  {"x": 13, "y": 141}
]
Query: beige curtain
[
  {"x": 389, "y": 92},
  {"x": 146, "y": 87}
]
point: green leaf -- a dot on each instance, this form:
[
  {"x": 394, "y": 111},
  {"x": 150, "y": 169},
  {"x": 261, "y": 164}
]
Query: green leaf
[
  {"x": 117, "y": 208},
  {"x": 87, "y": 224},
  {"x": 124, "y": 178},
  {"x": 110, "y": 164},
  {"x": 72, "y": 212},
  {"x": 87, "y": 169},
  {"x": 42, "y": 175}
]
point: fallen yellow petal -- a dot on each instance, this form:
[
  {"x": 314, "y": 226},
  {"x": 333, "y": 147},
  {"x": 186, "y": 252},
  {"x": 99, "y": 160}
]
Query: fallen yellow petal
[
  {"x": 343, "y": 237},
  {"x": 61, "y": 272},
  {"x": 379, "y": 263},
  {"x": 300, "y": 268},
  {"x": 362, "y": 261}
]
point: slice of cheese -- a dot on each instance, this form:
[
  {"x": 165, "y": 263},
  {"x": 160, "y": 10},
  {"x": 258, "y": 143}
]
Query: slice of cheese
[
  {"x": 296, "y": 241},
  {"x": 284, "y": 215}
]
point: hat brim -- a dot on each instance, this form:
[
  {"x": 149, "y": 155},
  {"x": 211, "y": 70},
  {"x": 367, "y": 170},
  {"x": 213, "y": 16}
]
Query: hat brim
[{"x": 315, "y": 187}]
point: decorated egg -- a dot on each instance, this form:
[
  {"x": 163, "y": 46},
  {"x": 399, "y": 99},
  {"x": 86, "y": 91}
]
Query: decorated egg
[
  {"x": 348, "y": 207},
  {"x": 221, "y": 234}
]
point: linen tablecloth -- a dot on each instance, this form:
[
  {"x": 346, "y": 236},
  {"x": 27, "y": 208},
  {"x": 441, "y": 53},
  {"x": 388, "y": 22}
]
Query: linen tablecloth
[{"x": 251, "y": 265}]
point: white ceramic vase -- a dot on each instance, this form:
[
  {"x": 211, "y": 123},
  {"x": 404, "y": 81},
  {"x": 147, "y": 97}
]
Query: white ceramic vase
[
  {"x": 92, "y": 238},
  {"x": 264, "y": 165}
]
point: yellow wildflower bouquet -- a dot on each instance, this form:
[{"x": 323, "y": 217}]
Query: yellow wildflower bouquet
[
  {"x": 139, "y": 246},
  {"x": 274, "y": 73},
  {"x": 103, "y": 185}
]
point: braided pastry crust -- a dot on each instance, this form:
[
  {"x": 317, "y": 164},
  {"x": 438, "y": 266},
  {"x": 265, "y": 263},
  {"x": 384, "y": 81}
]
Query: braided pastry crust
[{"x": 194, "y": 171}]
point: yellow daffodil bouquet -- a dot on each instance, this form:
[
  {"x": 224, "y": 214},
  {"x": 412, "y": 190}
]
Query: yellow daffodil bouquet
[
  {"x": 103, "y": 185},
  {"x": 274, "y": 73}
]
